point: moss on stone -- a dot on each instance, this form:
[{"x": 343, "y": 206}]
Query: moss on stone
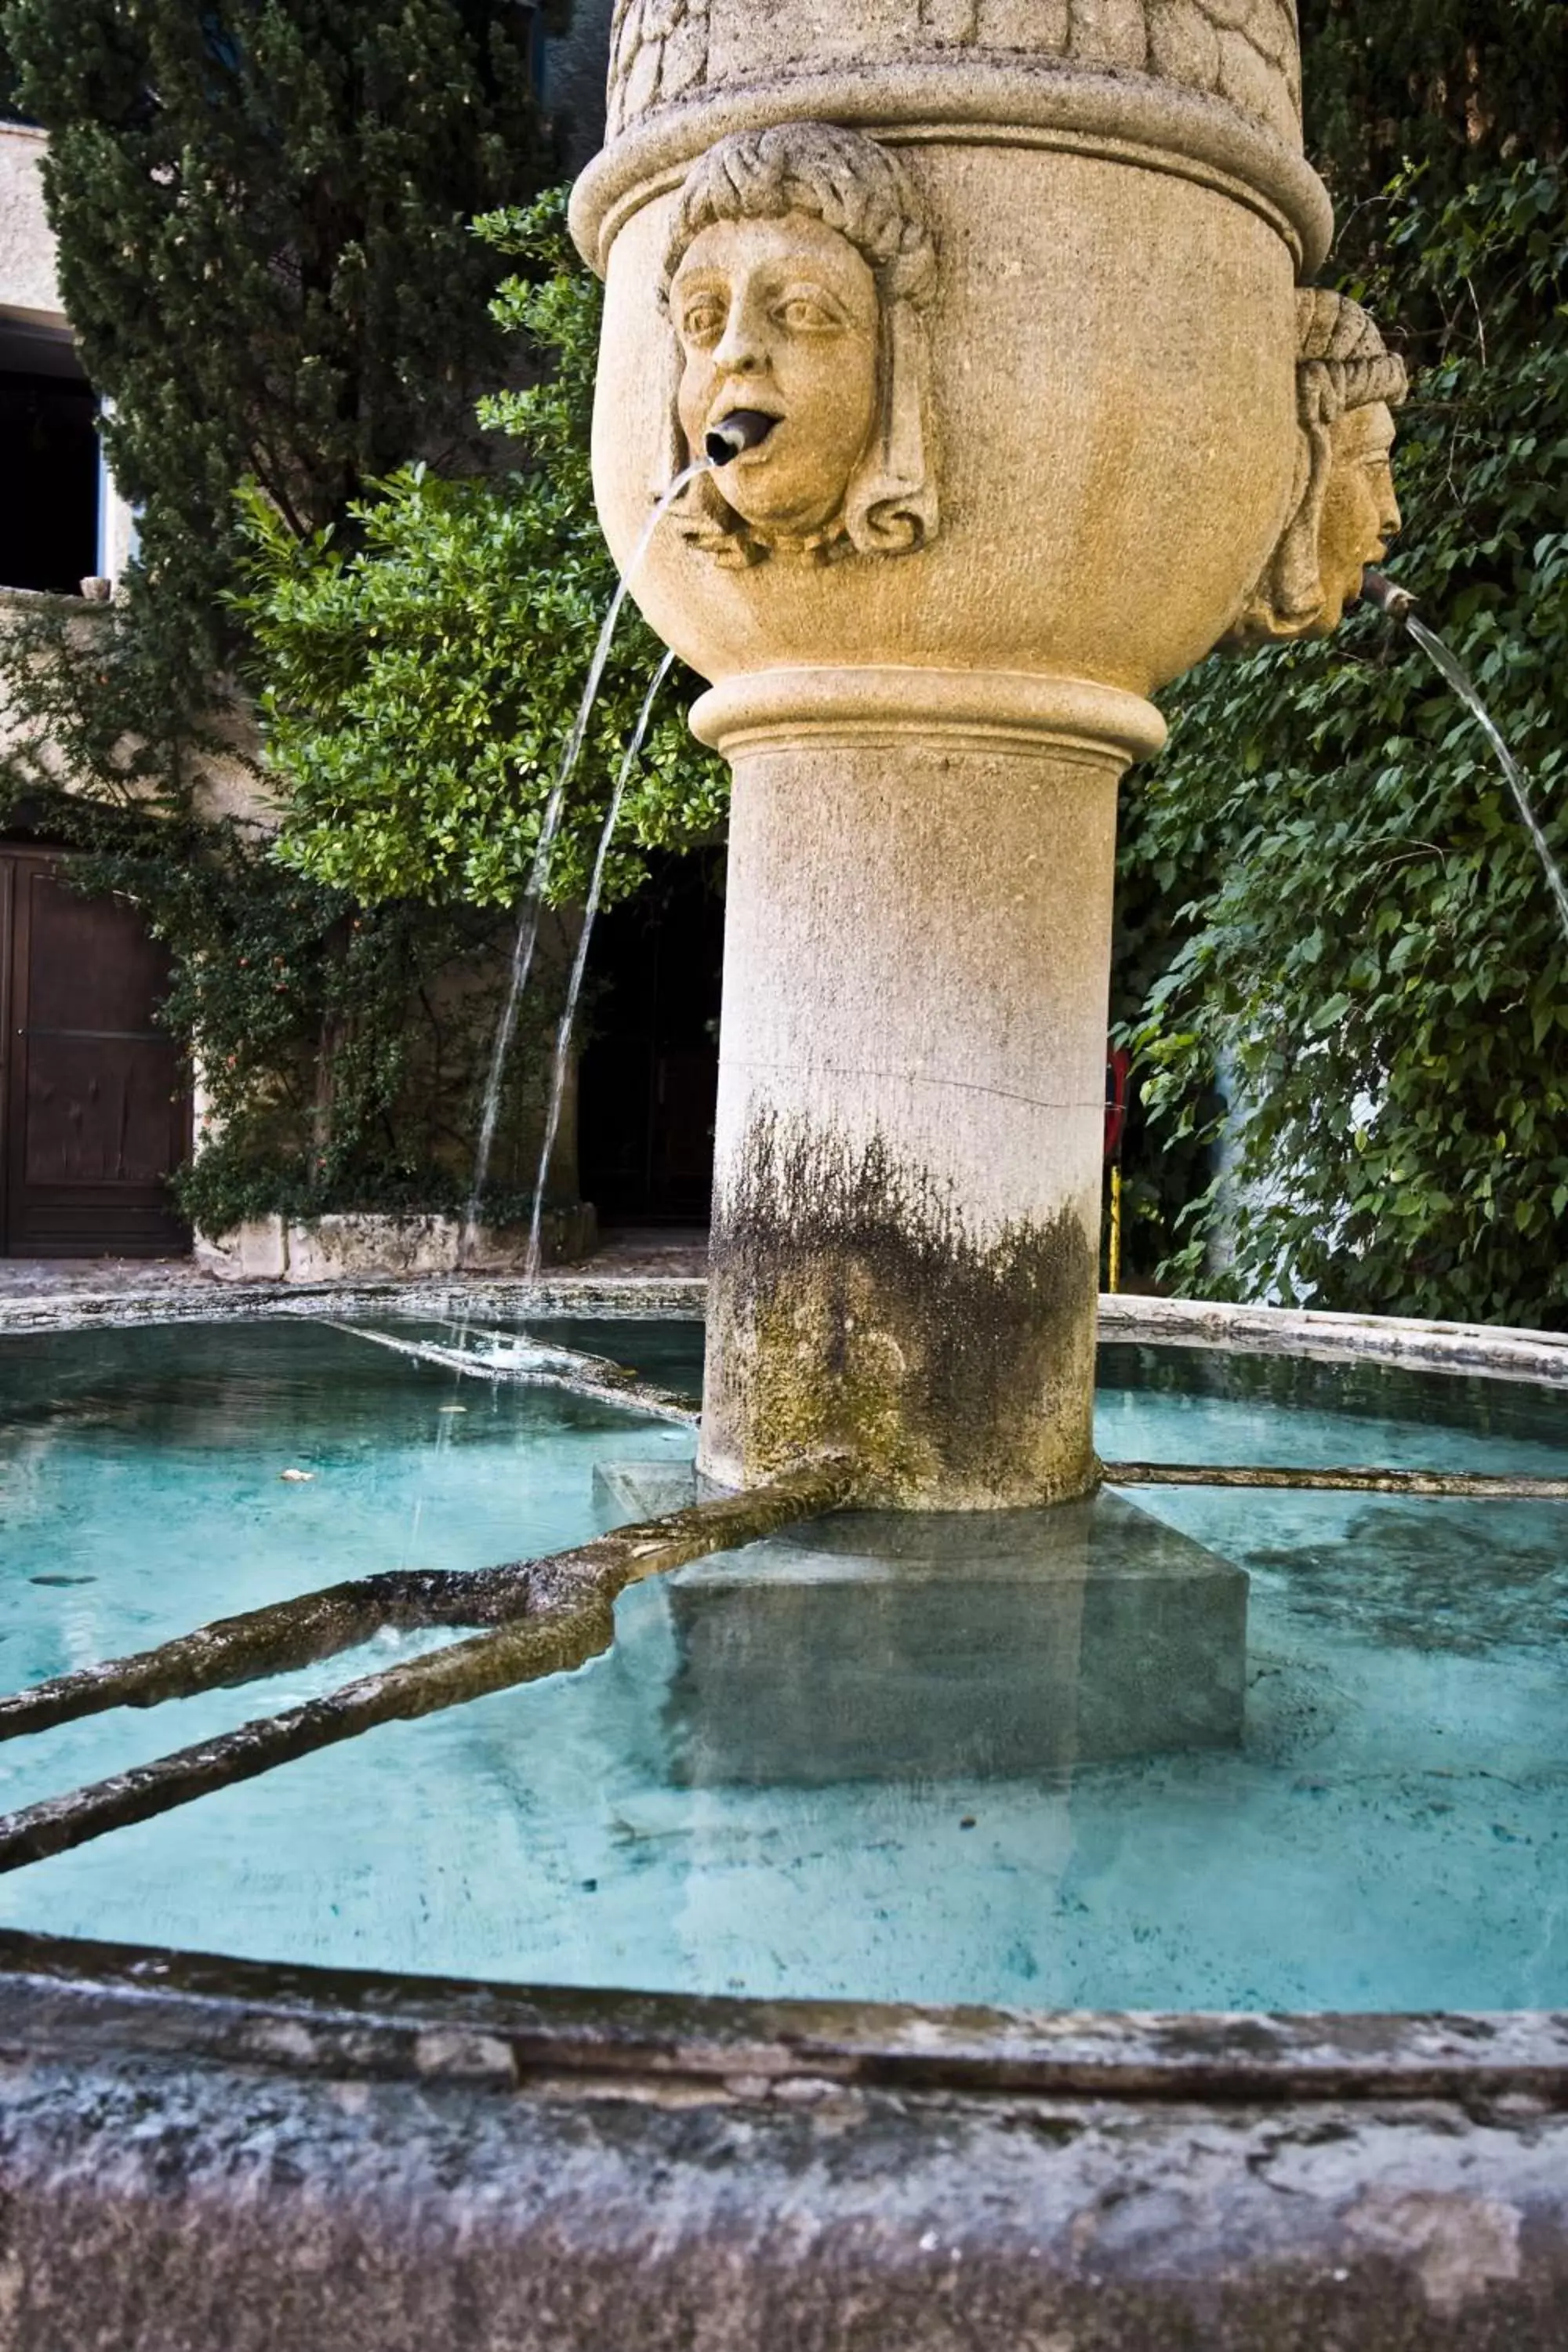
[{"x": 858, "y": 1311}]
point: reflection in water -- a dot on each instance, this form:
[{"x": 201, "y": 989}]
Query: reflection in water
[{"x": 1388, "y": 1833}]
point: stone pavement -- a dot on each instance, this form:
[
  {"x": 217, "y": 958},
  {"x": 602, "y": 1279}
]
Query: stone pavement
[{"x": 634, "y": 1251}]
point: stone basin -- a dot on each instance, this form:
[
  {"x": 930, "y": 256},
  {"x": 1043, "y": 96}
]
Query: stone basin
[{"x": 204, "y": 2150}]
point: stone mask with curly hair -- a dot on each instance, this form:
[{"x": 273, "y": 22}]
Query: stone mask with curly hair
[
  {"x": 798, "y": 265},
  {"x": 1342, "y": 508}
]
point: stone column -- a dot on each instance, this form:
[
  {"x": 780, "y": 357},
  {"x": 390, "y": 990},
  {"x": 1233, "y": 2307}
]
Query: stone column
[{"x": 912, "y": 1086}]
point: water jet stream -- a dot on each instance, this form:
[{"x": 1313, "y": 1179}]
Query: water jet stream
[
  {"x": 1458, "y": 677},
  {"x": 1399, "y": 605},
  {"x": 527, "y": 937},
  {"x": 580, "y": 961}
]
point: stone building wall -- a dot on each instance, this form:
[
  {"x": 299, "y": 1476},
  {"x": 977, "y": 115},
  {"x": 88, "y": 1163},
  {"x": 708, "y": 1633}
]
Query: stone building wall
[{"x": 28, "y": 288}]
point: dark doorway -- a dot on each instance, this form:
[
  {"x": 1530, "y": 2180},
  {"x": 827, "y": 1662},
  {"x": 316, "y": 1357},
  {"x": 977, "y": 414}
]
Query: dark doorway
[
  {"x": 650, "y": 1074},
  {"x": 50, "y": 463},
  {"x": 94, "y": 1103}
]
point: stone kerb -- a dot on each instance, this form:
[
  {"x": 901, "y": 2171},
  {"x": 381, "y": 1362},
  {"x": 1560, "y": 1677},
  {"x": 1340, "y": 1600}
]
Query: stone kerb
[{"x": 342, "y": 1246}]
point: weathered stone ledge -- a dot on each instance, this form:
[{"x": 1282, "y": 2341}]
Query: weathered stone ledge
[
  {"x": 275, "y": 2158},
  {"x": 345, "y": 1246},
  {"x": 1497, "y": 1351},
  {"x": 187, "y": 1297},
  {"x": 209, "y": 2006}
]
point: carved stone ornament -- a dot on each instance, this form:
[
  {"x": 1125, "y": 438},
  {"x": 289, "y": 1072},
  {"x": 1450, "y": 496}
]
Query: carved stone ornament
[
  {"x": 1242, "y": 53},
  {"x": 1344, "y": 511},
  {"x": 799, "y": 266}
]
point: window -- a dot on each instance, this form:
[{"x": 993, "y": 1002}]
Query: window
[{"x": 50, "y": 466}]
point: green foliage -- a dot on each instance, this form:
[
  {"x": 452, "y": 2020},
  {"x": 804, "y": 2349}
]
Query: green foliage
[
  {"x": 262, "y": 211},
  {"x": 1369, "y": 942},
  {"x": 1458, "y": 86},
  {"x": 356, "y": 1045},
  {"x": 420, "y": 675},
  {"x": 342, "y": 1050},
  {"x": 10, "y": 102}
]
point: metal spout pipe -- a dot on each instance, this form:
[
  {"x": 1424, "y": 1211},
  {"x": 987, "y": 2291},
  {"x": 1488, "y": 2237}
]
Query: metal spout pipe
[
  {"x": 743, "y": 428},
  {"x": 1396, "y": 602}
]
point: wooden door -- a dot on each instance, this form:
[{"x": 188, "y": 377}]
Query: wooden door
[{"x": 94, "y": 1103}]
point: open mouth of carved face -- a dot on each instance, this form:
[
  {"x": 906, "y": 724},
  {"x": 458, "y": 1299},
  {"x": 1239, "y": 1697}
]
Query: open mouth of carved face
[{"x": 738, "y": 432}]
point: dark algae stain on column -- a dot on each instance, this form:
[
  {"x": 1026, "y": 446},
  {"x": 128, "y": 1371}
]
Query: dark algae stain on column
[{"x": 857, "y": 1308}]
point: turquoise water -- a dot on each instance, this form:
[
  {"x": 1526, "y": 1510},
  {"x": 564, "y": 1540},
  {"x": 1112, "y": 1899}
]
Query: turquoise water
[{"x": 1389, "y": 1833}]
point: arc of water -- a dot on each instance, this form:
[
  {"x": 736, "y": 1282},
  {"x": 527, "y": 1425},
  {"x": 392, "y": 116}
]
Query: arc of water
[
  {"x": 1445, "y": 660},
  {"x": 580, "y": 961},
  {"x": 527, "y": 937}
]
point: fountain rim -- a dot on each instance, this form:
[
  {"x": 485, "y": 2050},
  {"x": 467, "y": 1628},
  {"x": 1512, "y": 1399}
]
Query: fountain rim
[
  {"x": 485, "y": 2035},
  {"x": 1487, "y": 1351},
  {"x": 314, "y": 2018},
  {"x": 1132, "y": 119}
]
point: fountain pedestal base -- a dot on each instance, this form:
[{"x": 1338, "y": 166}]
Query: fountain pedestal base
[{"x": 945, "y": 1645}]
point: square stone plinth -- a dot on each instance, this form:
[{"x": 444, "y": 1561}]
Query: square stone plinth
[{"x": 888, "y": 1645}]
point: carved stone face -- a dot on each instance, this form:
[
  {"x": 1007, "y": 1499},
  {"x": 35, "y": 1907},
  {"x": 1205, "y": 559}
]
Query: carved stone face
[
  {"x": 1360, "y": 514},
  {"x": 782, "y": 316}
]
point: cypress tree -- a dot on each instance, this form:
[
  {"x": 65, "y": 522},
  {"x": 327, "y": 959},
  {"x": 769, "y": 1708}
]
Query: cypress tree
[{"x": 261, "y": 211}]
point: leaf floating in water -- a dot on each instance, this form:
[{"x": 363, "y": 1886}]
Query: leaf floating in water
[{"x": 297, "y": 1477}]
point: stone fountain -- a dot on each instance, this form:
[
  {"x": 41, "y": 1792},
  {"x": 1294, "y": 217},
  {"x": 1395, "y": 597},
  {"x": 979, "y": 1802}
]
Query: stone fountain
[
  {"x": 1002, "y": 305},
  {"x": 1006, "y": 299}
]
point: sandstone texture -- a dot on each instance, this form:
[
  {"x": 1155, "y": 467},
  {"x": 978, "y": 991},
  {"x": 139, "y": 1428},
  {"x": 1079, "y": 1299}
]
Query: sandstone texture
[{"x": 1007, "y": 293}]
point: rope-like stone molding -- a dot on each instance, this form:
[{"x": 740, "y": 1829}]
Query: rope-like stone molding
[
  {"x": 1131, "y": 119},
  {"x": 1244, "y": 53}
]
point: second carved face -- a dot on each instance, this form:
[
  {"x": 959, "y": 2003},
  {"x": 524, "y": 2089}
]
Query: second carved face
[
  {"x": 1343, "y": 510},
  {"x": 781, "y": 315},
  {"x": 1360, "y": 513}
]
